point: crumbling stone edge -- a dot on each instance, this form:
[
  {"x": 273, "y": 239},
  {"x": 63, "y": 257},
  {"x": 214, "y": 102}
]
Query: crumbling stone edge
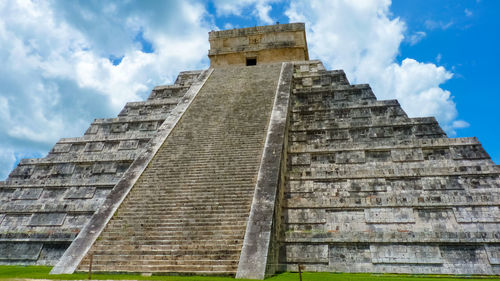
[
  {"x": 88, "y": 235},
  {"x": 258, "y": 249}
]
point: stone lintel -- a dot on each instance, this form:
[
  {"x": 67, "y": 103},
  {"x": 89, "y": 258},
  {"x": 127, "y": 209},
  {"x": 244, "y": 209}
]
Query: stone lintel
[
  {"x": 256, "y": 248},
  {"x": 83, "y": 242}
]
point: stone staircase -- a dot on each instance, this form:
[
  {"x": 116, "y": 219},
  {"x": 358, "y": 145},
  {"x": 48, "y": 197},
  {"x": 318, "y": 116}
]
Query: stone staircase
[
  {"x": 187, "y": 212},
  {"x": 371, "y": 190},
  {"x": 45, "y": 202}
]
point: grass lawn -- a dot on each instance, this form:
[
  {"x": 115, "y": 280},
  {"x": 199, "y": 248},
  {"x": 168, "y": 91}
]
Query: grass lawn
[{"x": 42, "y": 272}]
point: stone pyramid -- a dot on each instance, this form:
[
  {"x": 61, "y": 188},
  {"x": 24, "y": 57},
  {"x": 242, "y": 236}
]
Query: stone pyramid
[{"x": 262, "y": 162}]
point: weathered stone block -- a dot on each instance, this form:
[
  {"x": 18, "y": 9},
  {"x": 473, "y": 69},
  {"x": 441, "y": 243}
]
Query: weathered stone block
[
  {"x": 80, "y": 192},
  {"x": 378, "y": 155},
  {"x": 20, "y": 251},
  {"x": 477, "y": 214},
  {"x": 389, "y": 215},
  {"x": 104, "y": 168},
  {"x": 345, "y": 221},
  {"x": 94, "y": 146},
  {"x": 306, "y": 216},
  {"x": 493, "y": 252},
  {"x": 407, "y": 154},
  {"x": 27, "y": 193},
  {"x": 47, "y": 219},
  {"x": 410, "y": 254},
  {"x": 346, "y": 157},
  {"x": 128, "y": 145},
  {"x": 298, "y": 253},
  {"x": 61, "y": 148}
]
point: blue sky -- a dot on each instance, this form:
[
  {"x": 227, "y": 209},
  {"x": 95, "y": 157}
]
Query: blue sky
[{"x": 65, "y": 63}]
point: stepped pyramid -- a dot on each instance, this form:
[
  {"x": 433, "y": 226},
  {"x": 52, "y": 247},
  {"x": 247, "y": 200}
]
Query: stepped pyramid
[{"x": 260, "y": 163}]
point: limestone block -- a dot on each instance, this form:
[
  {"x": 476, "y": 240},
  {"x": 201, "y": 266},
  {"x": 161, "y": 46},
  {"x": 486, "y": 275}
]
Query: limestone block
[
  {"x": 381, "y": 132},
  {"x": 366, "y": 185},
  {"x": 327, "y": 158},
  {"x": 307, "y": 82},
  {"x": 304, "y": 68},
  {"x": 119, "y": 128},
  {"x": 61, "y": 148},
  {"x": 409, "y": 184},
  {"x": 359, "y": 134},
  {"x": 301, "y": 159},
  {"x": 469, "y": 152},
  {"x": 128, "y": 144},
  {"x": 92, "y": 130},
  {"x": 47, "y": 219},
  {"x": 23, "y": 171},
  {"x": 378, "y": 155},
  {"x": 407, "y": 154},
  {"x": 305, "y": 216},
  {"x": 27, "y": 193},
  {"x": 406, "y": 254},
  {"x": 76, "y": 221},
  {"x": 480, "y": 182},
  {"x": 349, "y": 157},
  {"x": 80, "y": 192},
  {"x": 338, "y": 135},
  {"x": 298, "y": 253},
  {"x": 346, "y": 257},
  {"x": 436, "y": 220},
  {"x": 389, "y": 215},
  {"x": 14, "y": 222},
  {"x": 51, "y": 253},
  {"x": 402, "y": 131},
  {"x": 94, "y": 146},
  {"x": 465, "y": 258},
  {"x": 477, "y": 214},
  {"x": 20, "y": 251},
  {"x": 345, "y": 221},
  {"x": 436, "y": 153},
  {"x": 148, "y": 126},
  {"x": 493, "y": 252},
  {"x": 441, "y": 183},
  {"x": 62, "y": 169},
  {"x": 104, "y": 168}
]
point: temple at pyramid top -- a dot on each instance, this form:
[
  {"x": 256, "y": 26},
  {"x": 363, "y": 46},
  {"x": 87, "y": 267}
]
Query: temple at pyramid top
[{"x": 257, "y": 45}]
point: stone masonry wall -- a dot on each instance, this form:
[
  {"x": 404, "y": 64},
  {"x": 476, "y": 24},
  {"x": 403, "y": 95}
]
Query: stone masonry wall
[
  {"x": 371, "y": 190},
  {"x": 45, "y": 202}
]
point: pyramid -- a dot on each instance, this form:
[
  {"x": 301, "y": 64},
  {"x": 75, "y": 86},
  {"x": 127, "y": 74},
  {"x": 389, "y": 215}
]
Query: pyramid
[{"x": 259, "y": 164}]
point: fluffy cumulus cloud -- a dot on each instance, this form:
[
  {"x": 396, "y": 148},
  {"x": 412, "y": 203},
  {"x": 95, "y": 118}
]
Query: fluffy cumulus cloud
[
  {"x": 363, "y": 38},
  {"x": 67, "y": 62}
]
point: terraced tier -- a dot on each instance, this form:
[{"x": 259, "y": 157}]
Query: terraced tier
[
  {"x": 187, "y": 212},
  {"x": 371, "y": 190}
]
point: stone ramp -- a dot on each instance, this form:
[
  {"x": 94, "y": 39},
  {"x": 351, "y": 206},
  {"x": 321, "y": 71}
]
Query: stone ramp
[
  {"x": 371, "y": 190},
  {"x": 187, "y": 212}
]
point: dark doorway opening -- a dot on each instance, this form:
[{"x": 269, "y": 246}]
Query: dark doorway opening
[{"x": 251, "y": 61}]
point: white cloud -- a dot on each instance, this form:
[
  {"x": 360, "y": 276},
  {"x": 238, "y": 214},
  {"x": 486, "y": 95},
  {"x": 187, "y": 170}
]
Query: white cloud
[
  {"x": 362, "y": 38},
  {"x": 56, "y": 75},
  {"x": 460, "y": 124},
  {"x": 261, "y": 8},
  {"x": 431, "y": 24},
  {"x": 416, "y": 37},
  {"x": 439, "y": 57},
  {"x": 468, "y": 13}
]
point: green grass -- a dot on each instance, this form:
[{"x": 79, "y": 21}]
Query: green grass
[{"x": 42, "y": 272}]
